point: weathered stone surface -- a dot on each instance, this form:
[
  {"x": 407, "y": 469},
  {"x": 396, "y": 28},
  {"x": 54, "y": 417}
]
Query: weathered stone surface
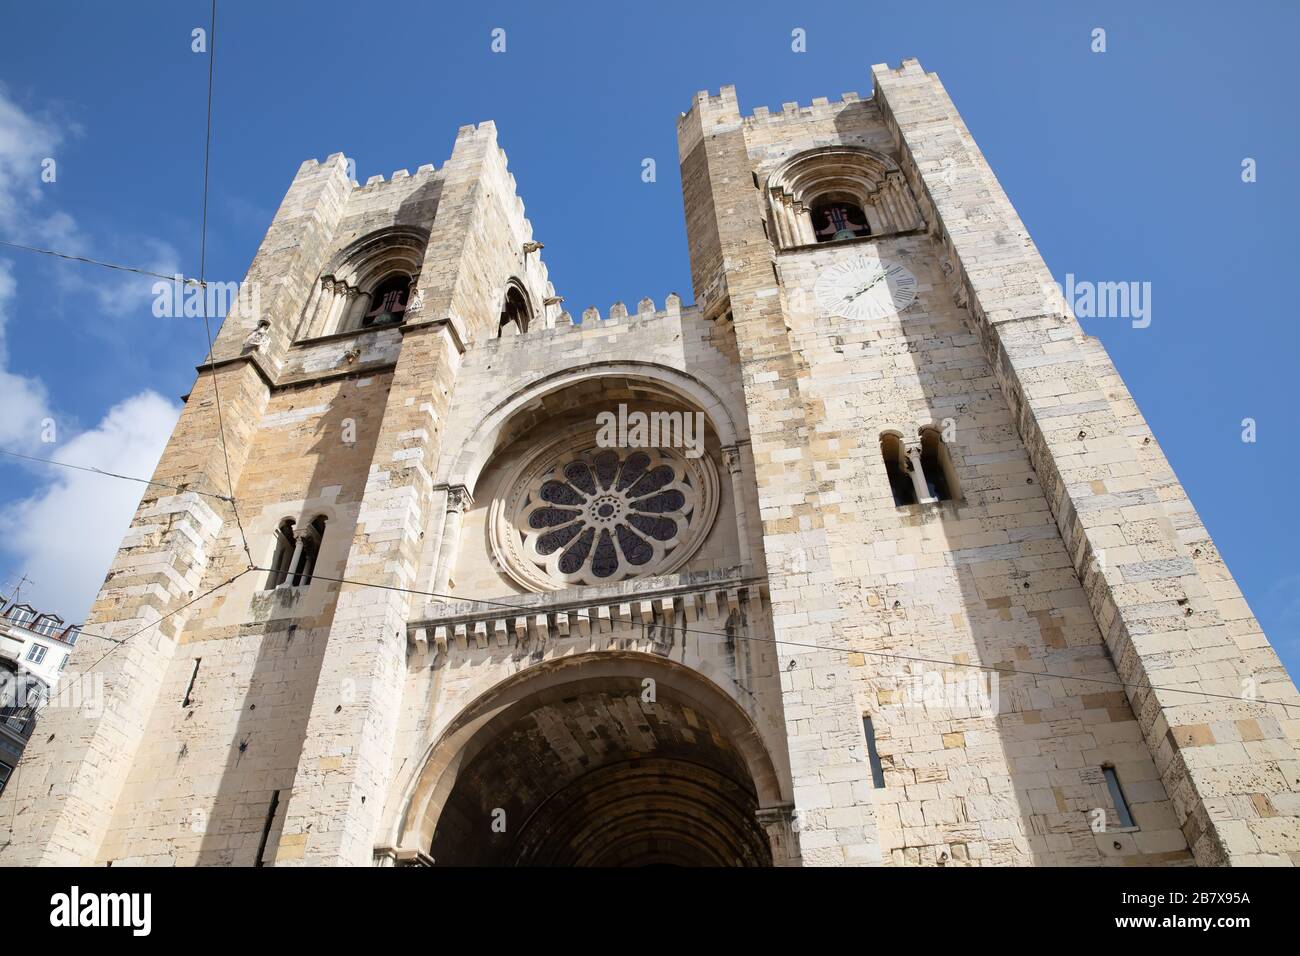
[{"x": 422, "y": 697}]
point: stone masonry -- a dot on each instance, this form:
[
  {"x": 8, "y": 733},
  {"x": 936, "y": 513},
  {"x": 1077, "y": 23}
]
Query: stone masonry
[{"x": 430, "y": 691}]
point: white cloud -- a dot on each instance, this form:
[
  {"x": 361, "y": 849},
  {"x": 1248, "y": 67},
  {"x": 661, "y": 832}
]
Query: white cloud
[
  {"x": 25, "y": 401},
  {"x": 25, "y": 141},
  {"x": 65, "y": 535}
]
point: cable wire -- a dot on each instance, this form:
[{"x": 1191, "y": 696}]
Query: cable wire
[
  {"x": 100, "y": 262},
  {"x": 998, "y": 669},
  {"x": 110, "y": 474},
  {"x": 203, "y": 256}
]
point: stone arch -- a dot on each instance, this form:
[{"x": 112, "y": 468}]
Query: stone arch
[
  {"x": 362, "y": 257},
  {"x": 516, "y": 313},
  {"x": 468, "y": 460},
  {"x": 863, "y": 177},
  {"x": 342, "y": 293},
  {"x": 937, "y": 464},
  {"x": 725, "y": 731},
  {"x": 519, "y": 412}
]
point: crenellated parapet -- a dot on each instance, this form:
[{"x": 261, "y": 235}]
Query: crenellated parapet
[{"x": 618, "y": 313}]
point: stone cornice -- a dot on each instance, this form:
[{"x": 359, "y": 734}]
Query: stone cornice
[{"x": 580, "y": 612}]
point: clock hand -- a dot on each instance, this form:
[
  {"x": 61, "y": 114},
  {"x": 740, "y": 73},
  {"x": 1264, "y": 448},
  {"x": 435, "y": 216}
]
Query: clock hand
[{"x": 868, "y": 287}]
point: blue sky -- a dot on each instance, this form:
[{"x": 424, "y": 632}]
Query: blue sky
[{"x": 1124, "y": 165}]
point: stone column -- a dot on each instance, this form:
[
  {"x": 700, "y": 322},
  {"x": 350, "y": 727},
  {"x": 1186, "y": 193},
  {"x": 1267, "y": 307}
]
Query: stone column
[
  {"x": 357, "y": 310},
  {"x": 917, "y": 473},
  {"x": 324, "y": 306},
  {"x": 345, "y": 304},
  {"x": 458, "y": 500},
  {"x": 732, "y": 459},
  {"x": 414, "y": 299},
  {"x": 803, "y": 223},
  {"x": 293, "y": 561}
]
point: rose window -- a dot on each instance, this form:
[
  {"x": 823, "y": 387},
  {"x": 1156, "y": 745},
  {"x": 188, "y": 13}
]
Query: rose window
[{"x": 599, "y": 515}]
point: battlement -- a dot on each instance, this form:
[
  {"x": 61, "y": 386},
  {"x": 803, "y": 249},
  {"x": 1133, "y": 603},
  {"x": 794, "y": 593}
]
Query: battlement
[
  {"x": 820, "y": 107},
  {"x": 398, "y": 176},
  {"x": 645, "y": 311},
  {"x": 725, "y": 108}
]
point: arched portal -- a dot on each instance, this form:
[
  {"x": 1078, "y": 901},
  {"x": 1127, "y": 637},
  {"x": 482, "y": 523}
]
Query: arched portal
[{"x": 606, "y": 759}]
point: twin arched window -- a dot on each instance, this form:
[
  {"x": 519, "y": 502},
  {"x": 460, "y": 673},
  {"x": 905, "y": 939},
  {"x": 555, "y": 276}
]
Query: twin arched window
[
  {"x": 296, "y": 552},
  {"x": 919, "y": 472}
]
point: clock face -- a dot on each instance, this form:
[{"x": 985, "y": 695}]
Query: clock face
[{"x": 867, "y": 289}]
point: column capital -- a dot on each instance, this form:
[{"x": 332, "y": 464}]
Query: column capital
[
  {"x": 731, "y": 458},
  {"x": 458, "y": 498}
]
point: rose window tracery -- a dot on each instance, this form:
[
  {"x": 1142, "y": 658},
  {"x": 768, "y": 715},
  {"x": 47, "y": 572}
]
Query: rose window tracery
[{"x": 589, "y": 515}]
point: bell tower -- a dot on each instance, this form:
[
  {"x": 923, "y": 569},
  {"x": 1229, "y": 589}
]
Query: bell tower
[
  {"x": 255, "y": 647},
  {"x": 950, "y": 470}
]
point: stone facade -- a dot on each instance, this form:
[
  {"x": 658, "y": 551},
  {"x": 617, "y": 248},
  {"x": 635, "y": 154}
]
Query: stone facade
[{"x": 1046, "y": 663}]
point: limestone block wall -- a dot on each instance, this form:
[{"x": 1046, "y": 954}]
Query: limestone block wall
[
  {"x": 1174, "y": 629},
  {"x": 986, "y": 580},
  {"x": 994, "y": 769},
  {"x": 73, "y": 771},
  {"x": 206, "y": 775},
  {"x": 733, "y": 271}
]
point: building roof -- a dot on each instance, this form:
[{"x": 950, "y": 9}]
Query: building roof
[{"x": 45, "y": 624}]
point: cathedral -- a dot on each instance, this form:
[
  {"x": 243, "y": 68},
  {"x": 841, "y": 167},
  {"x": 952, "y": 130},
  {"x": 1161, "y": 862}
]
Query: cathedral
[{"x": 865, "y": 556}]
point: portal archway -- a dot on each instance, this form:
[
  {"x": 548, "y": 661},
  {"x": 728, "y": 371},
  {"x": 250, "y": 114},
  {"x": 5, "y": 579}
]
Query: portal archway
[{"x": 606, "y": 759}]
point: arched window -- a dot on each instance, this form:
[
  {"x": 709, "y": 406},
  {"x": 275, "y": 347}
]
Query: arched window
[
  {"x": 898, "y": 469},
  {"x": 835, "y": 193},
  {"x": 387, "y": 305},
  {"x": 836, "y": 219},
  {"x": 367, "y": 284},
  {"x": 283, "y": 554},
  {"x": 920, "y": 472},
  {"x": 514, "y": 313},
  {"x": 296, "y": 552},
  {"x": 936, "y": 466}
]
